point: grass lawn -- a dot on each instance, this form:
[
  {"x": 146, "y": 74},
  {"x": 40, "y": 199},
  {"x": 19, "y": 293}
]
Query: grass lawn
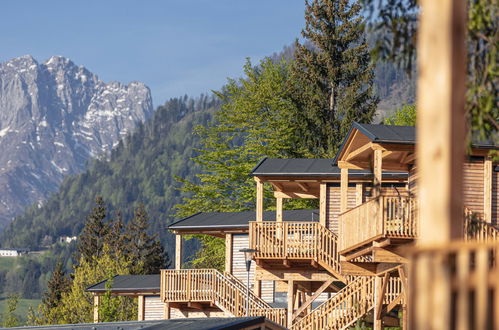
[
  {"x": 7, "y": 263},
  {"x": 22, "y": 307}
]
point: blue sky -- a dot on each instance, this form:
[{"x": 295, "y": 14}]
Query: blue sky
[{"x": 175, "y": 47}]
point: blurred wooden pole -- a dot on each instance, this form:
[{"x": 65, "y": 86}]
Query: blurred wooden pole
[
  {"x": 440, "y": 154},
  {"x": 441, "y": 118}
]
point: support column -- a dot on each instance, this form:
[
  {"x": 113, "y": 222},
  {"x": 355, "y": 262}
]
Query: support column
[
  {"x": 178, "y": 251},
  {"x": 96, "y": 308},
  {"x": 377, "y": 171},
  {"x": 344, "y": 190},
  {"x": 323, "y": 204},
  {"x": 441, "y": 120},
  {"x": 278, "y": 210},
  {"x": 141, "y": 308},
  {"x": 228, "y": 253},
  {"x": 359, "y": 194},
  {"x": 259, "y": 199},
  {"x": 377, "y": 325},
  {"x": 487, "y": 190},
  {"x": 291, "y": 300},
  {"x": 166, "y": 311}
]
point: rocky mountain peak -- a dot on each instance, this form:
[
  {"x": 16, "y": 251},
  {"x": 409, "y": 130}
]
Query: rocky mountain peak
[{"x": 54, "y": 116}]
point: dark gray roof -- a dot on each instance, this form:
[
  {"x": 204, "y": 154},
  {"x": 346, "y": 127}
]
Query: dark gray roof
[
  {"x": 206, "y": 323},
  {"x": 129, "y": 283},
  {"x": 228, "y": 220},
  {"x": 388, "y": 133},
  {"x": 309, "y": 167},
  {"x": 403, "y": 134}
]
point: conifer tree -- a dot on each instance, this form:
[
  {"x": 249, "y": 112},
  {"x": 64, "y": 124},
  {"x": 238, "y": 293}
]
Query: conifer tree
[
  {"x": 145, "y": 251},
  {"x": 333, "y": 74},
  {"x": 57, "y": 284},
  {"x": 91, "y": 240}
]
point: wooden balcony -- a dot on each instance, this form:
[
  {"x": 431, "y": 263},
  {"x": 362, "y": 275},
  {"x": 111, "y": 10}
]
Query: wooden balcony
[
  {"x": 460, "y": 281},
  {"x": 208, "y": 288},
  {"x": 388, "y": 221},
  {"x": 296, "y": 242}
]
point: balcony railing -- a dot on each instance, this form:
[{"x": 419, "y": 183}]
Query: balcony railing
[
  {"x": 222, "y": 290},
  {"x": 460, "y": 281},
  {"x": 295, "y": 240},
  {"x": 391, "y": 217}
]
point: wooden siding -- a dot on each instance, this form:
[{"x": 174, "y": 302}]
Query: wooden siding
[
  {"x": 241, "y": 241},
  {"x": 495, "y": 194},
  {"x": 154, "y": 308},
  {"x": 473, "y": 184},
  {"x": 333, "y": 205}
]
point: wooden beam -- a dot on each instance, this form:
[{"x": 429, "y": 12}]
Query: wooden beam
[
  {"x": 359, "y": 194},
  {"x": 290, "y": 298},
  {"x": 377, "y": 171},
  {"x": 387, "y": 153},
  {"x": 96, "y": 308},
  {"x": 377, "y": 313},
  {"x": 178, "y": 251},
  {"x": 380, "y": 297},
  {"x": 278, "y": 209},
  {"x": 166, "y": 311},
  {"x": 312, "y": 298},
  {"x": 394, "y": 303},
  {"x": 323, "y": 204},
  {"x": 303, "y": 186},
  {"x": 195, "y": 305},
  {"x": 358, "y": 151},
  {"x": 285, "y": 274},
  {"x": 344, "y": 190},
  {"x": 228, "y": 253},
  {"x": 141, "y": 308},
  {"x": 277, "y": 186},
  {"x": 309, "y": 195},
  {"x": 487, "y": 190},
  {"x": 259, "y": 200},
  {"x": 358, "y": 268},
  {"x": 440, "y": 122},
  {"x": 385, "y": 255}
]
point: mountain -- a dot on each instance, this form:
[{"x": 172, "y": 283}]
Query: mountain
[
  {"x": 55, "y": 116},
  {"x": 141, "y": 169}
]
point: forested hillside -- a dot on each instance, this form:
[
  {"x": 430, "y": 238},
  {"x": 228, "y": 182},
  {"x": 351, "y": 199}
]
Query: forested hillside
[{"x": 142, "y": 169}]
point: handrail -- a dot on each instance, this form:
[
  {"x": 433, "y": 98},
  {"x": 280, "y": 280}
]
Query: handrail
[
  {"x": 383, "y": 216},
  {"x": 349, "y": 304},
  {"x": 296, "y": 240},
  {"x": 475, "y": 229},
  {"x": 224, "y": 290}
]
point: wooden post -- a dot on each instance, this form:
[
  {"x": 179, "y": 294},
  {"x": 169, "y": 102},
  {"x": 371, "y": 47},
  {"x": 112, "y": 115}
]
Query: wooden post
[
  {"x": 96, "y": 308},
  {"x": 228, "y": 253},
  {"x": 166, "y": 311},
  {"x": 291, "y": 301},
  {"x": 278, "y": 210},
  {"x": 359, "y": 193},
  {"x": 178, "y": 251},
  {"x": 377, "y": 292},
  {"x": 487, "y": 190},
  {"x": 440, "y": 120},
  {"x": 377, "y": 171},
  {"x": 141, "y": 308},
  {"x": 323, "y": 204},
  {"x": 259, "y": 199},
  {"x": 344, "y": 190}
]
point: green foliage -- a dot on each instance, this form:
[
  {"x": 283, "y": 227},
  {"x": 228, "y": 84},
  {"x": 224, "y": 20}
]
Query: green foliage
[
  {"x": 76, "y": 305},
  {"x": 56, "y": 286},
  {"x": 406, "y": 116},
  {"x": 141, "y": 170},
  {"x": 398, "y": 21},
  {"x": 10, "y": 318},
  {"x": 333, "y": 77}
]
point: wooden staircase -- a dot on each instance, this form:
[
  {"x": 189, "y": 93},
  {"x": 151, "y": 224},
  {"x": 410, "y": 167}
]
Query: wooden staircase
[
  {"x": 288, "y": 241},
  {"x": 222, "y": 290},
  {"x": 351, "y": 303}
]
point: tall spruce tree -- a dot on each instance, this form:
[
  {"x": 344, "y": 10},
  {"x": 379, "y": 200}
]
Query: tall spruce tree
[
  {"x": 57, "y": 284},
  {"x": 91, "y": 239},
  {"x": 145, "y": 251},
  {"x": 333, "y": 74}
]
